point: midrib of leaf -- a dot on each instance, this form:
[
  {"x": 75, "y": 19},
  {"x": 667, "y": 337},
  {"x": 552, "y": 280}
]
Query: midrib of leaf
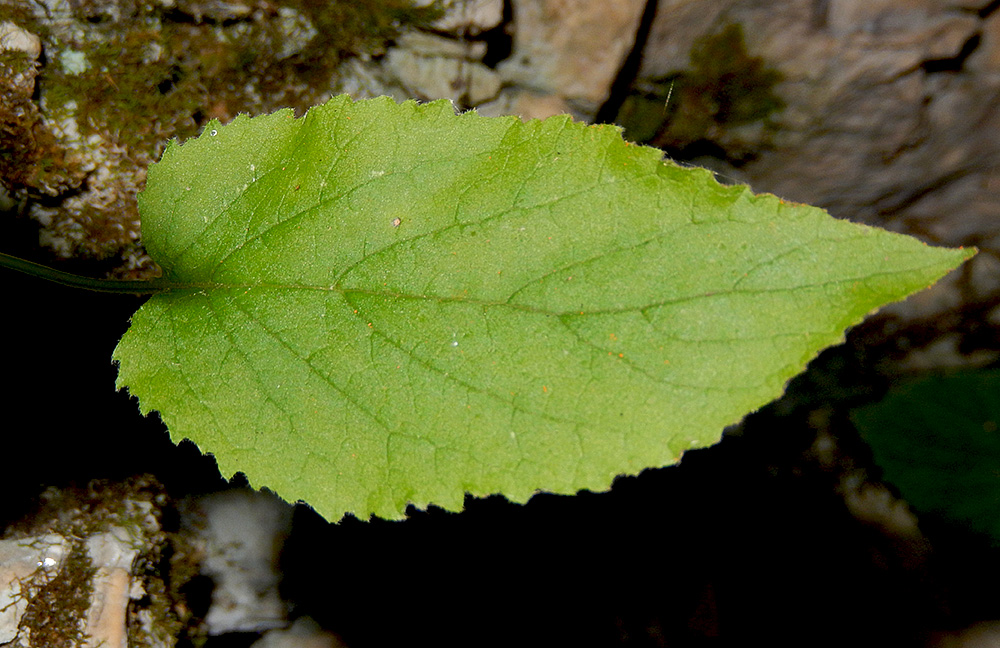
[{"x": 566, "y": 317}]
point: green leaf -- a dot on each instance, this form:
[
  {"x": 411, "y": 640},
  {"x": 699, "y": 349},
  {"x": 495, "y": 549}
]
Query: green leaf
[
  {"x": 937, "y": 441},
  {"x": 379, "y": 304}
]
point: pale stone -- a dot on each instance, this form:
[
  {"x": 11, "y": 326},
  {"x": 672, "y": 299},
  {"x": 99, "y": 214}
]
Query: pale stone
[
  {"x": 73, "y": 61},
  {"x": 426, "y": 66},
  {"x": 304, "y": 633},
  {"x": 875, "y": 505},
  {"x": 471, "y": 17},
  {"x": 943, "y": 353},
  {"x": 214, "y": 10},
  {"x": 111, "y": 554},
  {"x": 424, "y": 44},
  {"x": 18, "y": 80},
  {"x": 103, "y": 532},
  {"x": 877, "y": 17},
  {"x": 480, "y": 83},
  {"x": 297, "y": 29},
  {"x": 983, "y": 272},
  {"x": 676, "y": 26},
  {"x": 13, "y": 38},
  {"x": 986, "y": 58},
  {"x": 974, "y": 5},
  {"x": 525, "y": 104},
  {"x": 571, "y": 48},
  {"x": 26, "y": 563},
  {"x": 363, "y": 79},
  {"x": 945, "y": 36},
  {"x": 437, "y": 77},
  {"x": 242, "y": 532}
]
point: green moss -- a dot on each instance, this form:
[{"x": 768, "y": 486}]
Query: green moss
[
  {"x": 348, "y": 28},
  {"x": 121, "y": 93},
  {"x": 732, "y": 86},
  {"x": 206, "y": 70},
  {"x": 344, "y": 29},
  {"x": 57, "y": 608},
  {"x": 56, "y": 614},
  {"x": 18, "y": 12},
  {"x": 723, "y": 89},
  {"x": 154, "y": 74},
  {"x": 15, "y": 61}
]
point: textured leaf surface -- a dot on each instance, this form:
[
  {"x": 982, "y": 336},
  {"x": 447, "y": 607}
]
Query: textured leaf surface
[
  {"x": 938, "y": 441},
  {"x": 379, "y": 304}
]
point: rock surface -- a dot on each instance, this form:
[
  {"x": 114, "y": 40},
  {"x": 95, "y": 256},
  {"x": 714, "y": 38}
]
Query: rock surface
[
  {"x": 71, "y": 571},
  {"x": 572, "y": 49},
  {"x": 239, "y": 533},
  {"x": 26, "y": 563},
  {"x": 469, "y": 17},
  {"x": 434, "y": 67},
  {"x": 89, "y": 564}
]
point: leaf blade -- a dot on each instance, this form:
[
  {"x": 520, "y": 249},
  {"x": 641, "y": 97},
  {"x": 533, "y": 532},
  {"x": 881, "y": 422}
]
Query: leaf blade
[{"x": 401, "y": 304}]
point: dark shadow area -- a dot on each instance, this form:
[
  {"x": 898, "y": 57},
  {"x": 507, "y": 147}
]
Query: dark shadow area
[
  {"x": 499, "y": 41},
  {"x": 953, "y": 63},
  {"x": 64, "y": 422},
  {"x": 736, "y": 546}
]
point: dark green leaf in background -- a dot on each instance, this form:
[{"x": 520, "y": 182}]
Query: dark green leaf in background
[{"x": 937, "y": 441}]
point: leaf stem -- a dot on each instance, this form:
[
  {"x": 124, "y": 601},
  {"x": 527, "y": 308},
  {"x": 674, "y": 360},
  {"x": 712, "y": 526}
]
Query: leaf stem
[{"x": 120, "y": 286}]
